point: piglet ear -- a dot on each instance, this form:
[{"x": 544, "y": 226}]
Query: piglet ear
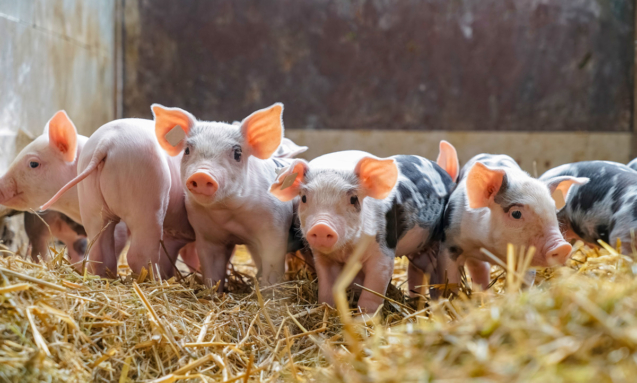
[
  {"x": 448, "y": 159},
  {"x": 560, "y": 188},
  {"x": 377, "y": 176},
  {"x": 288, "y": 149},
  {"x": 263, "y": 131},
  {"x": 483, "y": 184},
  {"x": 63, "y": 135},
  {"x": 172, "y": 125},
  {"x": 289, "y": 181}
]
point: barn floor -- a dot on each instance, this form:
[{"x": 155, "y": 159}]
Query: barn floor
[{"x": 577, "y": 323}]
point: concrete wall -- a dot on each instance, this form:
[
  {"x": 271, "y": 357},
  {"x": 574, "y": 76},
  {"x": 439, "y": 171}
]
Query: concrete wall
[{"x": 55, "y": 54}]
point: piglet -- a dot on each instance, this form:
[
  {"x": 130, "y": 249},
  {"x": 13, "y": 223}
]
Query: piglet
[
  {"x": 604, "y": 208},
  {"x": 127, "y": 177},
  {"x": 346, "y": 195},
  {"x": 226, "y": 170},
  {"x": 37, "y": 172},
  {"x": 494, "y": 204},
  {"x": 40, "y": 229},
  {"x": 43, "y": 167}
]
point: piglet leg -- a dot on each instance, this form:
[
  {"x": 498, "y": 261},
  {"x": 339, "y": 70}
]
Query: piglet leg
[
  {"x": 415, "y": 278},
  {"x": 378, "y": 270},
  {"x": 101, "y": 255},
  {"x": 214, "y": 260},
  {"x": 121, "y": 235},
  {"x": 145, "y": 246},
  {"x": 446, "y": 272},
  {"x": 189, "y": 256},
  {"x": 38, "y": 234},
  {"x": 327, "y": 271},
  {"x": 480, "y": 272},
  {"x": 272, "y": 257}
]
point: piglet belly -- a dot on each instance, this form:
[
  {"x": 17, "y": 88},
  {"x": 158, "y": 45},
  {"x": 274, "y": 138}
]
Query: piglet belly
[{"x": 412, "y": 242}]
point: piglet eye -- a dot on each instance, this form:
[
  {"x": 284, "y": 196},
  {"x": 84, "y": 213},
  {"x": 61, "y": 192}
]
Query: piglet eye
[
  {"x": 34, "y": 164},
  {"x": 187, "y": 151},
  {"x": 516, "y": 214},
  {"x": 353, "y": 200},
  {"x": 237, "y": 153},
  {"x": 304, "y": 199}
]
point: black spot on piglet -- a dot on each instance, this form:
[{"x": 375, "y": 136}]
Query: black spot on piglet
[
  {"x": 396, "y": 226},
  {"x": 455, "y": 252}
]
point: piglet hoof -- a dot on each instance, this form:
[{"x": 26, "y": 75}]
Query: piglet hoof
[
  {"x": 368, "y": 306},
  {"x": 369, "y": 312}
]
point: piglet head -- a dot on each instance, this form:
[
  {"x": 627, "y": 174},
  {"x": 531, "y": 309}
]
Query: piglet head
[
  {"x": 215, "y": 155},
  {"x": 332, "y": 202},
  {"x": 521, "y": 211},
  {"x": 42, "y": 167}
]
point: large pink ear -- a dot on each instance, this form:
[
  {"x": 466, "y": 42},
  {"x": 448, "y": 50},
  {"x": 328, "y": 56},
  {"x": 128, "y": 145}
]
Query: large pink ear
[
  {"x": 63, "y": 135},
  {"x": 448, "y": 159},
  {"x": 263, "y": 131},
  {"x": 289, "y": 181},
  {"x": 561, "y": 186},
  {"x": 483, "y": 184},
  {"x": 172, "y": 125},
  {"x": 377, "y": 176}
]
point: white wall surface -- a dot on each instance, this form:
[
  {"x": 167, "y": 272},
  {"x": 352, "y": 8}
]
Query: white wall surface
[{"x": 54, "y": 54}]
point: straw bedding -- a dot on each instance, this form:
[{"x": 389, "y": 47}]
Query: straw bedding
[{"x": 577, "y": 323}]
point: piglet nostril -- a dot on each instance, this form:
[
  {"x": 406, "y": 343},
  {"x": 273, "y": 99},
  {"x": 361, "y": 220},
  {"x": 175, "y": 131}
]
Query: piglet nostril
[
  {"x": 559, "y": 254},
  {"x": 194, "y": 184}
]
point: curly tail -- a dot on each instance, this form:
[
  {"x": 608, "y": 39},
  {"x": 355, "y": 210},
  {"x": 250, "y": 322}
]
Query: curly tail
[{"x": 98, "y": 156}]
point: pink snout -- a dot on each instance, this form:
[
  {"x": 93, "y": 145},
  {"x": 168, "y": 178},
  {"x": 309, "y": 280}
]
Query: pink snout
[
  {"x": 322, "y": 236},
  {"x": 202, "y": 183},
  {"x": 558, "y": 253}
]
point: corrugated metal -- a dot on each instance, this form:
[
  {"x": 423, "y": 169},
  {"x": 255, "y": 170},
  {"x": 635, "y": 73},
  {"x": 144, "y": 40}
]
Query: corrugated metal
[
  {"x": 520, "y": 65},
  {"x": 56, "y": 54}
]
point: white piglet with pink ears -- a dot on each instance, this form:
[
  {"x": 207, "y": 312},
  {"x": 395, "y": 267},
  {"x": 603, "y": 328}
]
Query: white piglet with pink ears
[
  {"x": 43, "y": 167},
  {"x": 38, "y": 172},
  {"x": 226, "y": 170},
  {"x": 399, "y": 201}
]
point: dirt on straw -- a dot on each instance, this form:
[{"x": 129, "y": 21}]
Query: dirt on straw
[{"x": 577, "y": 323}]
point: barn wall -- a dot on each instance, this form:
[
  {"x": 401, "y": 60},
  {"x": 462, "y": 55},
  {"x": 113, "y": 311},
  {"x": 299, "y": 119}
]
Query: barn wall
[
  {"x": 395, "y": 76},
  {"x": 56, "y": 54},
  {"x": 459, "y": 65}
]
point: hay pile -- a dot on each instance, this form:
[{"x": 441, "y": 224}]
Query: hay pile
[{"x": 576, "y": 324}]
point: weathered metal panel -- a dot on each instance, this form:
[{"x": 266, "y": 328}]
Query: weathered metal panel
[
  {"x": 56, "y": 54},
  {"x": 552, "y": 65}
]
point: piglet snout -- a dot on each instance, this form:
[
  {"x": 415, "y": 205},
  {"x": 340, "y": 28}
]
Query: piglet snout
[
  {"x": 322, "y": 236},
  {"x": 558, "y": 253},
  {"x": 202, "y": 183}
]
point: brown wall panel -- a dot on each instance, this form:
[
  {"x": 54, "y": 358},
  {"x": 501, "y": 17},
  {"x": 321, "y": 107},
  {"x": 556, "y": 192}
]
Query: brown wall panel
[{"x": 518, "y": 65}]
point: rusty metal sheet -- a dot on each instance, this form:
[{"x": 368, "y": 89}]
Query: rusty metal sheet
[{"x": 516, "y": 65}]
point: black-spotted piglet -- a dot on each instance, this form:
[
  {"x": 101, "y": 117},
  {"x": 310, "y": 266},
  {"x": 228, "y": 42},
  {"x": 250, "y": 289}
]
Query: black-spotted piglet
[
  {"x": 494, "y": 204},
  {"x": 604, "y": 208},
  {"x": 346, "y": 195}
]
